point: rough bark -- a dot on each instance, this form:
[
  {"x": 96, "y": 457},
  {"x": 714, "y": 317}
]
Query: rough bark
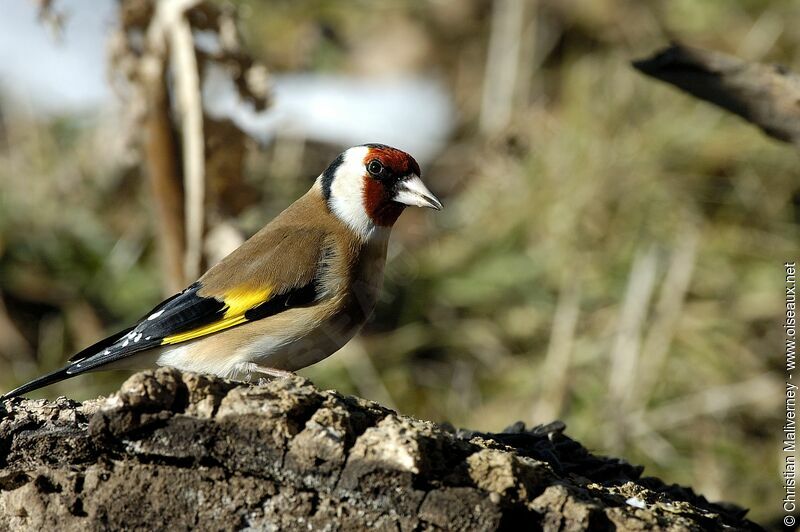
[
  {"x": 766, "y": 95},
  {"x": 174, "y": 451}
]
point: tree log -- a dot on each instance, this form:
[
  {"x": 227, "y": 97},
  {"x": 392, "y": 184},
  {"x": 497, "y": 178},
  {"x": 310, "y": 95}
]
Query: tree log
[{"x": 174, "y": 451}]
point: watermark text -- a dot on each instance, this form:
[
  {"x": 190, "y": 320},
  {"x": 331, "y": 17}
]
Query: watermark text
[{"x": 789, "y": 454}]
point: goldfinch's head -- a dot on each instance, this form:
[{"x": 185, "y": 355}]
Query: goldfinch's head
[{"x": 369, "y": 186}]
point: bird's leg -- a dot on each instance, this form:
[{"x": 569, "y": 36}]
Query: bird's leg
[
  {"x": 273, "y": 372},
  {"x": 250, "y": 368}
]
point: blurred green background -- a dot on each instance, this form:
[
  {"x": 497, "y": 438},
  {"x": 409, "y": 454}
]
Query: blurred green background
[{"x": 611, "y": 250}]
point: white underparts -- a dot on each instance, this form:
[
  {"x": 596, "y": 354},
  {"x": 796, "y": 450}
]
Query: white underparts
[{"x": 184, "y": 357}]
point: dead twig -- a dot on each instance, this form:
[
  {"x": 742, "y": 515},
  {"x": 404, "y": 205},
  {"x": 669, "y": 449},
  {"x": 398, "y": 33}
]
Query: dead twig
[
  {"x": 172, "y": 17},
  {"x": 163, "y": 171},
  {"x": 195, "y": 163}
]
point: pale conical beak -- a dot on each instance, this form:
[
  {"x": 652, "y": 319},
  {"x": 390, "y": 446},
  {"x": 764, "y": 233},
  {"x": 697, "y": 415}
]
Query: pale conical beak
[{"x": 412, "y": 191}]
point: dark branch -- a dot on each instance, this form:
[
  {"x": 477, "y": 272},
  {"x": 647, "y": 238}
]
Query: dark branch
[{"x": 766, "y": 95}]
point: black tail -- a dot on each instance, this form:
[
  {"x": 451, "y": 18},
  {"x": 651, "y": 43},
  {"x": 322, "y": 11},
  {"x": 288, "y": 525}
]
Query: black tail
[
  {"x": 41, "y": 382},
  {"x": 67, "y": 371}
]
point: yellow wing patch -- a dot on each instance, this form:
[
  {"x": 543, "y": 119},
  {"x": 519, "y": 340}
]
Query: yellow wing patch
[
  {"x": 237, "y": 302},
  {"x": 242, "y": 300}
]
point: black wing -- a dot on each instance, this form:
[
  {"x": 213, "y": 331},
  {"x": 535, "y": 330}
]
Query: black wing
[{"x": 182, "y": 312}]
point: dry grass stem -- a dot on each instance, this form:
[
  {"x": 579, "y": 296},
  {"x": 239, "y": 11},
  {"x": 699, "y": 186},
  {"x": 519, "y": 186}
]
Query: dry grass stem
[
  {"x": 502, "y": 65},
  {"x": 554, "y": 381},
  {"x": 655, "y": 347}
]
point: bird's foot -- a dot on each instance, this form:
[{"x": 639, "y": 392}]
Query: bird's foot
[
  {"x": 249, "y": 369},
  {"x": 272, "y": 373}
]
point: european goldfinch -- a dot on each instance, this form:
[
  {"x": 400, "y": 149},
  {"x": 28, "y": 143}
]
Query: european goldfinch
[{"x": 291, "y": 295}]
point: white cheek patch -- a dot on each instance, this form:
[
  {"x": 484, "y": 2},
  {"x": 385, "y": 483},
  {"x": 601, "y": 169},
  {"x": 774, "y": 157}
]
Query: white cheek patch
[{"x": 347, "y": 193}]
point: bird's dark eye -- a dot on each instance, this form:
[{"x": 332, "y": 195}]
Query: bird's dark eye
[{"x": 375, "y": 168}]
